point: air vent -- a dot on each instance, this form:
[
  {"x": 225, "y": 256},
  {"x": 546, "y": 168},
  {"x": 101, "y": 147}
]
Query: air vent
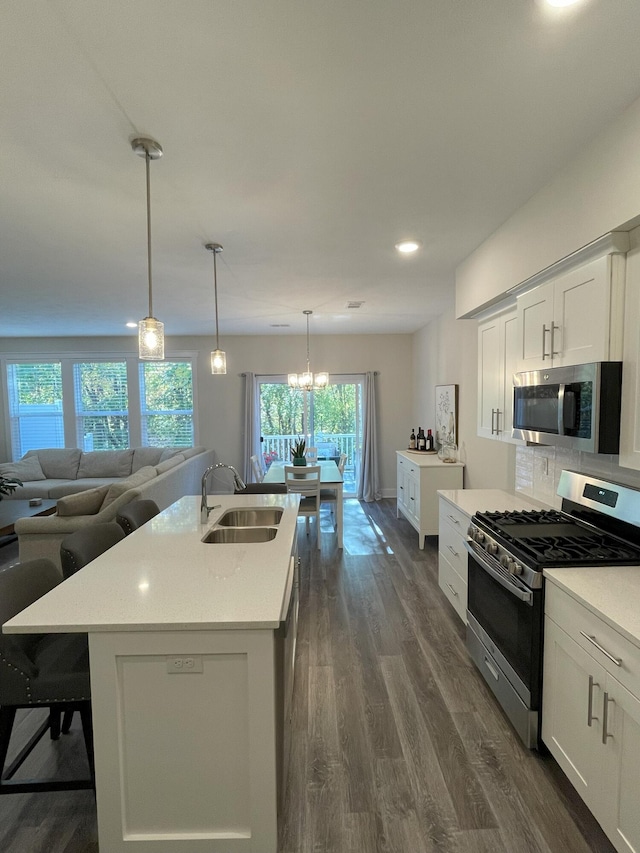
[
  {"x": 355, "y": 304},
  {"x": 279, "y": 325}
]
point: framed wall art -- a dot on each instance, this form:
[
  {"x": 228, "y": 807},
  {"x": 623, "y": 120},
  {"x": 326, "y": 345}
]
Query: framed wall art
[{"x": 446, "y": 414}]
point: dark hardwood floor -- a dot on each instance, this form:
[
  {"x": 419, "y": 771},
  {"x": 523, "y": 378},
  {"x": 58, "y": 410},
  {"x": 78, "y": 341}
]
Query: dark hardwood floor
[{"x": 396, "y": 745}]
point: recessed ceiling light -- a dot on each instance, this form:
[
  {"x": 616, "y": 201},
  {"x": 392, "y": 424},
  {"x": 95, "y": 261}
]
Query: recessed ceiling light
[
  {"x": 562, "y": 2},
  {"x": 132, "y": 325},
  {"x": 408, "y": 246}
]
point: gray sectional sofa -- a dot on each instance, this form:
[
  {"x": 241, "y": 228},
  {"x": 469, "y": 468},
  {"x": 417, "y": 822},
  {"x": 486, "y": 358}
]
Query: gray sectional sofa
[{"x": 92, "y": 487}]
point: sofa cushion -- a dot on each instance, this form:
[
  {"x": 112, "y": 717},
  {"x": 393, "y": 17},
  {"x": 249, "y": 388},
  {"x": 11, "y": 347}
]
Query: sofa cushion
[
  {"x": 26, "y": 470},
  {"x": 143, "y": 456},
  {"x": 105, "y": 463},
  {"x": 73, "y": 487},
  {"x": 169, "y": 452},
  {"x": 36, "y": 489},
  {"x": 118, "y": 489},
  {"x": 58, "y": 463},
  {"x": 188, "y": 452},
  {"x": 170, "y": 463},
  {"x": 84, "y": 503}
]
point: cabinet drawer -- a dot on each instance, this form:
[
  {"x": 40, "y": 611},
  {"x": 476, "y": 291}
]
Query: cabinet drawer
[
  {"x": 577, "y": 621},
  {"x": 451, "y": 546},
  {"x": 453, "y": 587},
  {"x": 453, "y": 516}
]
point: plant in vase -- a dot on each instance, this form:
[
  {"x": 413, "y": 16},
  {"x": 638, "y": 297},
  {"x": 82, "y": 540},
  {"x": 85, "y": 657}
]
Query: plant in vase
[
  {"x": 8, "y": 485},
  {"x": 297, "y": 452}
]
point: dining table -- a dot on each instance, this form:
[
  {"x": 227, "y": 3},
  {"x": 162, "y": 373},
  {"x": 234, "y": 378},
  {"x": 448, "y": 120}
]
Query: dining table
[{"x": 330, "y": 478}]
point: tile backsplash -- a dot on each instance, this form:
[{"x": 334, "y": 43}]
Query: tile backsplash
[{"x": 538, "y": 470}]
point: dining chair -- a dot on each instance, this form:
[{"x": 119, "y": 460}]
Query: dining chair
[
  {"x": 305, "y": 481},
  {"x": 330, "y": 496},
  {"x": 136, "y": 513},
  {"x": 311, "y": 454},
  {"x": 256, "y": 467},
  {"x": 39, "y": 670}
]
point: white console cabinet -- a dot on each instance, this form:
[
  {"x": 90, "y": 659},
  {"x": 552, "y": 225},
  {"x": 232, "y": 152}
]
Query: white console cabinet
[
  {"x": 591, "y": 713},
  {"x": 420, "y": 475}
]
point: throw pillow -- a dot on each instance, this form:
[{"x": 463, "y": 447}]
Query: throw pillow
[
  {"x": 26, "y": 470},
  {"x": 82, "y": 503},
  {"x": 131, "y": 482},
  {"x": 105, "y": 463}
]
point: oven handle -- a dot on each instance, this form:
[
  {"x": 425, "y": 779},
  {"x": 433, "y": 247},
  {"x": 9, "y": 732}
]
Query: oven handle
[{"x": 511, "y": 586}]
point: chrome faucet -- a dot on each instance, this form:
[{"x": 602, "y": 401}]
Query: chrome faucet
[{"x": 238, "y": 483}]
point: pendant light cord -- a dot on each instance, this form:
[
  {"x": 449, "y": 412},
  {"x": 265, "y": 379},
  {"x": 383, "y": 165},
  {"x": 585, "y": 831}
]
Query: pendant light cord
[
  {"x": 147, "y": 159},
  {"x": 215, "y": 294},
  {"x": 308, "y": 368}
]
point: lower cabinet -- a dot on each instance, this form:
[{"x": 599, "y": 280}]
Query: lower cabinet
[
  {"x": 452, "y": 556},
  {"x": 591, "y": 717},
  {"x": 419, "y": 477}
]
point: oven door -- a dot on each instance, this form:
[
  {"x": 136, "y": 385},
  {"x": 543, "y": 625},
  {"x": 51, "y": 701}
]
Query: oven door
[{"x": 506, "y": 616}]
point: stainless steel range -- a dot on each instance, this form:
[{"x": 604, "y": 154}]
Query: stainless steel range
[{"x": 599, "y": 525}]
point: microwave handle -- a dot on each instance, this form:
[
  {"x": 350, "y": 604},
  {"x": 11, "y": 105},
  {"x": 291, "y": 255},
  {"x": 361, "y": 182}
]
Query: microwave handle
[{"x": 561, "y": 409}]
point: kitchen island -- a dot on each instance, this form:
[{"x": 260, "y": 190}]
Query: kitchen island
[{"x": 191, "y": 653}]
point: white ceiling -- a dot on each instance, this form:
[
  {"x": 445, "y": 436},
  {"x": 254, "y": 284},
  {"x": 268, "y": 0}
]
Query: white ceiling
[{"x": 306, "y": 137}]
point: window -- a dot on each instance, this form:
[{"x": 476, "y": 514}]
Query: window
[
  {"x": 102, "y": 416},
  {"x": 166, "y": 395},
  {"x": 107, "y": 404},
  {"x": 35, "y": 406}
]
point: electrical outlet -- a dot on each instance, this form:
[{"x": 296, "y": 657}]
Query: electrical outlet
[{"x": 184, "y": 663}]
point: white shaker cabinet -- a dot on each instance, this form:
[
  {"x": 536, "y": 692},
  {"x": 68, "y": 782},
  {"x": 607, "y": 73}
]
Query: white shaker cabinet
[
  {"x": 573, "y": 319},
  {"x": 497, "y": 362},
  {"x": 419, "y": 476},
  {"x": 452, "y": 556},
  {"x": 591, "y": 713}
]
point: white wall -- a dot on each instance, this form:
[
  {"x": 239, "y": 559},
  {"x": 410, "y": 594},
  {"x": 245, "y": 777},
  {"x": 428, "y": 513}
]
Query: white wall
[
  {"x": 220, "y": 399},
  {"x": 446, "y": 353},
  {"x": 597, "y": 193}
]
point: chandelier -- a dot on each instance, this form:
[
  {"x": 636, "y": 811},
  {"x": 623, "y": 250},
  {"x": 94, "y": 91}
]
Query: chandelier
[
  {"x": 150, "y": 330},
  {"x": 218, "y": 357},
  {"x": 308, "y": 381}
]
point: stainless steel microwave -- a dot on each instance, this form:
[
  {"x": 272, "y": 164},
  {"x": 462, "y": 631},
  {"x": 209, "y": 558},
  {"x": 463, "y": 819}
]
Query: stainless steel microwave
[{"x": 577, "y": 407}]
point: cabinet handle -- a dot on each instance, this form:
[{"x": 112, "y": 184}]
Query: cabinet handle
[
  {"x": 605, "y": 718},
  {"x": 493, "y": 411},
  {"x": 453, "y": 551},
  {"x": 553, "y": 330},
  {"x": 592, "y": 640},
  {"x": 402, "y": 488},
  {"x": 590, "y": 717},
  {"x": 452, "y": 590},
  {"x": 454, "y": 519},
  {"x": 498, "y": 430},
  {"x": 544, "y": 351}
]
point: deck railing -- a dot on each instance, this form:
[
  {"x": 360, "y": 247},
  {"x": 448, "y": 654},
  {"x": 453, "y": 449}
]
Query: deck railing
[{"x": 278, "y": 447}]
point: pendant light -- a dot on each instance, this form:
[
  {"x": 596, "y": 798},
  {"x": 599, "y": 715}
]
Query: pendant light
[
  {"x": 218, "y": 357},
  {"x": 150, "y": 330},
  {"x": 308, "y": 381}
]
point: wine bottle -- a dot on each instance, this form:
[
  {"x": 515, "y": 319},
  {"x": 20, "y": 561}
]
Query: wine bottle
[
  {"x": 422, "y": 442},
  {"x": 412, "y": 440},
  {"x": 429, "y": 440}
]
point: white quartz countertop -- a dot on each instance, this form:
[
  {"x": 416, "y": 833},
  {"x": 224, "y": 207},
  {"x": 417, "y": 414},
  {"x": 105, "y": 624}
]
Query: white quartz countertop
[
  {"x": 471, "y": 501},
  {"x": 427, "y": 460},
  {"x": 612, "y": 593},
  {"x": 163, "y": 577}
]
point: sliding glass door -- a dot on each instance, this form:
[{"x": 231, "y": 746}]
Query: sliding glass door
[{"x": 330, "y": 420}]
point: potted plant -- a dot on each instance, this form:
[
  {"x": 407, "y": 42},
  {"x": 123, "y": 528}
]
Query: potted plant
[
  {"x": 297, "y": 452},
  {"x": 8, "y": 485}
]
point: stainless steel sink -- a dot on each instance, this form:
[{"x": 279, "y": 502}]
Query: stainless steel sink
[
  {"x": 251, "y": 517},
  {"x": 236, "y": 535}
]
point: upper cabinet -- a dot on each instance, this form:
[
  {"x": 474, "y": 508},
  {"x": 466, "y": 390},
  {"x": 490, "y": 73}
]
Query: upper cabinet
[
  {"x": 497, "y": 362},
  {"x": 573, "y": 319}
]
